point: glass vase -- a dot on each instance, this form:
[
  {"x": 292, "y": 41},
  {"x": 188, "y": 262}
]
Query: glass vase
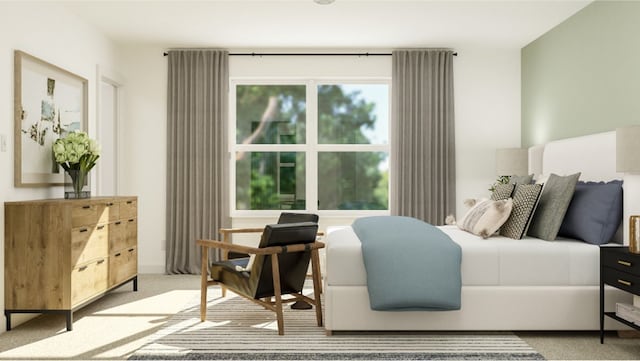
[{"x": 77, "y": 185}]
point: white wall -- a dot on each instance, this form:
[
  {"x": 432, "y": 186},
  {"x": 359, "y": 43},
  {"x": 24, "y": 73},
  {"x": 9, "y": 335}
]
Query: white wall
[
  {"x": 143, "y": 150},
  {"x": 487, "y": 91},
  {"x": 487, "y": 96},
  {"x": 54, "y": 35}
]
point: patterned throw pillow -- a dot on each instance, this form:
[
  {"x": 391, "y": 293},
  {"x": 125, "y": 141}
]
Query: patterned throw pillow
[
  {"x": 502, "y": 191},
  {"x": 484, "y": 218},
  {"x": 525, "y": 198}
]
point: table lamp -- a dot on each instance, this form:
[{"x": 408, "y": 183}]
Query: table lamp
[
  {"x": 512, "y": 161},
  {"x": 628, "y": 162}
]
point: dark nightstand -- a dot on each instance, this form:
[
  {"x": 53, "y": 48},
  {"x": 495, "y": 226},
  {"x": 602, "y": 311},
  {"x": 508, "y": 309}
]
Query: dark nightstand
[{"x": 621, "y": 269}]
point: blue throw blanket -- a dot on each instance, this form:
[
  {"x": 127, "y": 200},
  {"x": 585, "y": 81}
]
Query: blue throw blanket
[{"x": 410, "y": 264}]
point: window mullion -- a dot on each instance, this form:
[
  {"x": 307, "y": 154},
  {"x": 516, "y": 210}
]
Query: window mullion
[{"x": 312, "y": 144}]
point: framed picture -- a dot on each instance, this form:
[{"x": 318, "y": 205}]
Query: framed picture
[{"x": 48, "y": 102}]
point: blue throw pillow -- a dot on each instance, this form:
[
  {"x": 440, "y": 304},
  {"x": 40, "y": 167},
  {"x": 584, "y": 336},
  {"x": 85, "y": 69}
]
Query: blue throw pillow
[{"x": 595, "y": 212}]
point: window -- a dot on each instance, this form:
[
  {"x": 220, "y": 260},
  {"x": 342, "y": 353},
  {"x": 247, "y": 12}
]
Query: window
[{"x": 309, "y": 145}]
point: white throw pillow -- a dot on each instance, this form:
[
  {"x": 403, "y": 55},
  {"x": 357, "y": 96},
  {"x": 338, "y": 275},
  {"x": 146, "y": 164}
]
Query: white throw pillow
[{"x": 486, "y": 217}]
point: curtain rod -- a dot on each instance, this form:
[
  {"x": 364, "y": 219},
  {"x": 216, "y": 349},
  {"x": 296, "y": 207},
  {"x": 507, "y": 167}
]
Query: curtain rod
[{"x": 309, "y": 54}]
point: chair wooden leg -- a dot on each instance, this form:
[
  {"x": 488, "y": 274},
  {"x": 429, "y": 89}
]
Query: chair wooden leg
[
  {"x": 203, "y": 284},
  {"x": 275, "y": 270},
  {"x": 224, "y": 255},
  {"x": 315, "y": 274}
]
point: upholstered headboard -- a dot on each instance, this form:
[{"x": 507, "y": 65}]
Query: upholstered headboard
[{"x": 593, "y": 155}]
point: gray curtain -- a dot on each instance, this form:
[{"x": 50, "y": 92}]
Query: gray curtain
[
  {"x": 197, "y": 154},
  {"x": 423, "y": 135}
]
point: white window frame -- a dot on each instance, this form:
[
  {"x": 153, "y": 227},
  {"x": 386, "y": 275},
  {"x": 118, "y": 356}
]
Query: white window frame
[{"x": 311, "y": 148}]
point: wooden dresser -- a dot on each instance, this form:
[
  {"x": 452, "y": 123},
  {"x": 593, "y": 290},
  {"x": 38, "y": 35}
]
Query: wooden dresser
[{"x": 61, "y": 254}]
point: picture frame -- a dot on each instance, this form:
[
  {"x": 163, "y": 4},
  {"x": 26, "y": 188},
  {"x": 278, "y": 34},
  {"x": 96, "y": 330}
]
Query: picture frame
[{"x": 48, "y": 102}]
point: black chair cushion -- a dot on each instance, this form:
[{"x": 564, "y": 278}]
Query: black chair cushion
[
  {"x": 288, "y": 233},
  {"x": 286, "y": 217}
]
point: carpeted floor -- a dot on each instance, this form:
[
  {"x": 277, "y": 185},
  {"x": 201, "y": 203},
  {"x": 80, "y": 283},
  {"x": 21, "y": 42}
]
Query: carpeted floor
[
  {"x": 114, "y": 327},
  {"x": 240, "y": 330}
]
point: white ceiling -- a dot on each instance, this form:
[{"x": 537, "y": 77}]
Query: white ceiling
[{"x": 300, "y": 24}]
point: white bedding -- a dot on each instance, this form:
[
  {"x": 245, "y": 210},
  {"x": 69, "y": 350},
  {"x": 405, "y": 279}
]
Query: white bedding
[{"x": 496, "y": 261}]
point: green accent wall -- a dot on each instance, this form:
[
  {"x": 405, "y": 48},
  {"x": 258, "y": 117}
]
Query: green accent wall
[{"x": 583, "y": 76}]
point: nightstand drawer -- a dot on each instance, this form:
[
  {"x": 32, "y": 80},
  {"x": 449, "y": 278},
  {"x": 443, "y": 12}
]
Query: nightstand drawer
[
  {"x": 622, "y": 280},
  {"x": 620, "y": 259}
]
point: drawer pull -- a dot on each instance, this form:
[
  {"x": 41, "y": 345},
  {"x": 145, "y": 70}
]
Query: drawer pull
[
  {"x": 624, "y": 263},
  {"x": 100, "y": 227},
  {"x": 626, "y": 283},
  {"x": 101, "y": 261},
  {"x": 109, "y": 204},
  {"x": 129, "y": 202},
  {"x": 131, "y": 249},
  {"x": 131, "y": 220},
  {"x": 118, "y": 223},
  {"x": 118, "y": 254},
  {"x": 83, "y": 230},
  {"x": 82, "y": 268},
  {"x": 86, "y": 207}
]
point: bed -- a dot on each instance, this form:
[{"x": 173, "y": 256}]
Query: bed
[{"x": 507, "y": 284}]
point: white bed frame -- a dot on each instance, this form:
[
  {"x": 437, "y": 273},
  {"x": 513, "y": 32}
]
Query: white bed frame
[{"x": 503, "y": 307}]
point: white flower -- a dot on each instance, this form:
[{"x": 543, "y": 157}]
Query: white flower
[{"x": 76, "y": 151}]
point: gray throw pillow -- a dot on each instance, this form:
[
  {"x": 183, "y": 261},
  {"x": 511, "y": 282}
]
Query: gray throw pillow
[
  {"x": 521, "y": 179},
  {"x": 525, "y": 198},
  {"x": 553, "y": 204},
  {"x": 595, "y": 212}
]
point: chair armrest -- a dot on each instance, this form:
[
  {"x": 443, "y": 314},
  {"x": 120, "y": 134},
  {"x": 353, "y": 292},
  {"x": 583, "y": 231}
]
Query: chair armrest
[
  {"x": 291, "y": 248},
  {"x": 241, "y": 230},
  {"x": 206, "y": 243},
  {"x": 249, "y": 230}
]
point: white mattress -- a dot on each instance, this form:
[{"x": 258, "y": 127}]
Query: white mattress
[{"x": 496, "y": 261}]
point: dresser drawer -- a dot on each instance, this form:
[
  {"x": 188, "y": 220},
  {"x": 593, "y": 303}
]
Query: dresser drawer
[
  {"x": 131, "y": 232},
  {"x": 88, "y": 243},
  {"x": 123, "y": 265},
  {"x": 128, "y": 209},
  {"x": 88, "y": 280},
  {"x": 112, "y": 210},
  {"x": 84, "y": 214},
  {"x": 117, "y": 235},
  {"x": 622, "y": 280},
  {"x": 620, "y": 259}
]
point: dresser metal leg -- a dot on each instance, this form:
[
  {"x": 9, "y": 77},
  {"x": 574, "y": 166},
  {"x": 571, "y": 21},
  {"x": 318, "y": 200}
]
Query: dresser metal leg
[
  {"x": 7, "y": 316},
  {"x": 69, "y": 320},
  {"x": 135, "y": 284}
]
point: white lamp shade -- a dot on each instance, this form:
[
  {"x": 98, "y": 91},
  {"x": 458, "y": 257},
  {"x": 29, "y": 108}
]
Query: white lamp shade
[
  {"x": 628, "y": 149},
  {"x": 512, "y": 161}
]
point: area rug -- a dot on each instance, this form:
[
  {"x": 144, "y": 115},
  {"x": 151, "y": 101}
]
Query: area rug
[{"x": 237, "y": 329}]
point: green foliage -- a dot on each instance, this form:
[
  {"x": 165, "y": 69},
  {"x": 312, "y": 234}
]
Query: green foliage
[
  {"x": 285, "y": 123},
  {"x": 341, "y": 117},
  {"x": 503, "y": 179}
]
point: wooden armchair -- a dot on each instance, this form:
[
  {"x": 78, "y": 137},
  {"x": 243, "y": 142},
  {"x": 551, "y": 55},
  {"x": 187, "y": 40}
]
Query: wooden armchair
[{"x": 280, "y": 268}]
